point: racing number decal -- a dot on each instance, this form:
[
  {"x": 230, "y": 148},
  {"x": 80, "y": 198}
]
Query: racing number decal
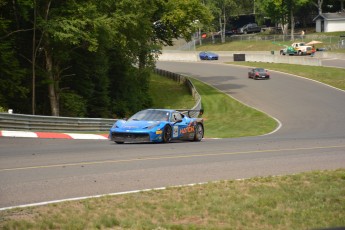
[{"x": 175, "y": 133}]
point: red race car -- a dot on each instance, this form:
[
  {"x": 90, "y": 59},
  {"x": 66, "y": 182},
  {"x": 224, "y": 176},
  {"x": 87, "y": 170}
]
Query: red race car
[{"x": 258, "y": 73}]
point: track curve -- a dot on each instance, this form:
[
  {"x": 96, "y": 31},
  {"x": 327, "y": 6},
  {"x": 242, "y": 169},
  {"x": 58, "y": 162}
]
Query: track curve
[
  {"x": 304, "y": 107},
  {"x": 312, "y": 137}
]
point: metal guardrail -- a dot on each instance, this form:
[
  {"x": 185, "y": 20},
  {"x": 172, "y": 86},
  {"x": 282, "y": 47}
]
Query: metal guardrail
[
  {"x": 49, "y": 123},
  {"x": 184, "y": 80},
  {"x": 12, "y": 121}
]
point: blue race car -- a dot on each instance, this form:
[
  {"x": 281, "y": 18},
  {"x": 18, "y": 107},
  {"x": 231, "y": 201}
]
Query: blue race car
[
  {"x": 208, "y": 56},
  {"x": 158, "y": 125}
]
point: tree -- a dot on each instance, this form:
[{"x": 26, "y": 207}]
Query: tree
[
  {"x": 293, "y": 6},
  {"x": 282, "y": 12},
  {"x": 14, "y": 91},
  {"x": 74, "y": 47},
  {"x": 224, "y": 10},
  {"x": 318, "y": 4}
]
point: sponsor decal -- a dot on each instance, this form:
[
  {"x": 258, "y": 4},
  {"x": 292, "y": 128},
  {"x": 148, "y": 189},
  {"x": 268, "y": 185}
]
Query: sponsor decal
[{"x": 188, "y": 129}]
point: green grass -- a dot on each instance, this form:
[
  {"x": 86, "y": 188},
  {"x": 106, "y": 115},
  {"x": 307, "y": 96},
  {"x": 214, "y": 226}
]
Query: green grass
[
  {"x": 259, "y": 46},
  {"x": 242, "y": 46},
  {"x": 303, "y": 201},
  {"x": 169, "y": 94},
  {"x": 256, "y": 44},
  {"x": 226, "y": 117},
  {"x": 328, "y": 75}
]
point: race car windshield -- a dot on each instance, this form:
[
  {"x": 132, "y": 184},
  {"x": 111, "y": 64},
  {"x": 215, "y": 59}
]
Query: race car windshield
[
  {"x": 150, "y": 115},
  {"x": 260, "y": 70}
]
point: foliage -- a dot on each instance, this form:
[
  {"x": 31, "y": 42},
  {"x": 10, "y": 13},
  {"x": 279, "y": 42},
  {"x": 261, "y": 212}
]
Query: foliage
[
  {"x": 282, "y": 12},
  {"x": 2, "y": 109},
  {"x": 98, "y": 51},
  {"x": 73, "y": 105},
  {"x": 14, "y": 87},
  {"x": 222, "y": 10}
]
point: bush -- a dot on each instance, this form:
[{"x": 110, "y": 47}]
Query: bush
[
  {"x": 2, "y": 109},
  {"x": 72, "y": 105}
]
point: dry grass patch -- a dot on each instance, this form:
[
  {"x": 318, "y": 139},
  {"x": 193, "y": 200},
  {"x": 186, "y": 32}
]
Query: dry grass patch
[{"x": 302, "y": 201}]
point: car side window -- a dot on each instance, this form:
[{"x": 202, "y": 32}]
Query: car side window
[{"x": 176, "y": 117}]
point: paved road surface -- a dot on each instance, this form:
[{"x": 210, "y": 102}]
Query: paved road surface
[{"x": 312, "y": 137}]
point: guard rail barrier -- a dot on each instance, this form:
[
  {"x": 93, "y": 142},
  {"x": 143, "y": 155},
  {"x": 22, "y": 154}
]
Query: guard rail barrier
[{"x": 13, "y": 121}]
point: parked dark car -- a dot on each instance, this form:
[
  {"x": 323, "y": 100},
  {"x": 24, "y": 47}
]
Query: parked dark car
[
  {"x": 258, "y": 73},
  {"x": 229, "y": 33},
  {"x": 249, "y": 28}
]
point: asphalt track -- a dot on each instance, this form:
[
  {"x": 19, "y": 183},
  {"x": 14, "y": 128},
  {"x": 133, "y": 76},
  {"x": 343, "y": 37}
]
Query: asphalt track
[{"x": 311, "y": 137}]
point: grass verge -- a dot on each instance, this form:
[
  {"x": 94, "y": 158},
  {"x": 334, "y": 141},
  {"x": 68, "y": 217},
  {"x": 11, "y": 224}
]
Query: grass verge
[
  {"x": 303, "y": 201},
  {"x": 242, "y": 46},
  {"x": 331, "y": 76},
  {"x": 225, "y": 117},
  {"x": 256, "y": 43},
  {"x": 169, "y": 94}
]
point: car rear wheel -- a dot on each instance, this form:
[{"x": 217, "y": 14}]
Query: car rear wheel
[
  {"x": 167, "y": 132},
  {"x": 199, "y": 132}
]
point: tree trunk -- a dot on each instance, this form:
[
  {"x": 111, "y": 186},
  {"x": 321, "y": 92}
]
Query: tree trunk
[
  {"x": 292, "y": 21},
  {"x": 33, "y": 99},
  {"x": 221, "y": 27},
  {"x": 319, "y": 6},
  {"x": 53, "y": 84},
  {"x": 224, "y": 26}
]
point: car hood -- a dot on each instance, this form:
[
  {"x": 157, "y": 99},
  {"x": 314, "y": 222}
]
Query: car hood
[{"x": 136, "y": 125}]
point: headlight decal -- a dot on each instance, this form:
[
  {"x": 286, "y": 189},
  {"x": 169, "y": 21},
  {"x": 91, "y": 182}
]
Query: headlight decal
[{"x": 158, "y": 132}]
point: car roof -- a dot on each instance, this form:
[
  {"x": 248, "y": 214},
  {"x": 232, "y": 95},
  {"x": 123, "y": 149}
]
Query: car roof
[
  {"x": 259, "y": 69},
  {"x": 166, "y": 110}
]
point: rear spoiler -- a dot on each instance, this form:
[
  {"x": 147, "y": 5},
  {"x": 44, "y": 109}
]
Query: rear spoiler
[{"x": 191, "y": 112}]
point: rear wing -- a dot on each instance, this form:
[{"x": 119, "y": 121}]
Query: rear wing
[{"x": 191, "y": 112}]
